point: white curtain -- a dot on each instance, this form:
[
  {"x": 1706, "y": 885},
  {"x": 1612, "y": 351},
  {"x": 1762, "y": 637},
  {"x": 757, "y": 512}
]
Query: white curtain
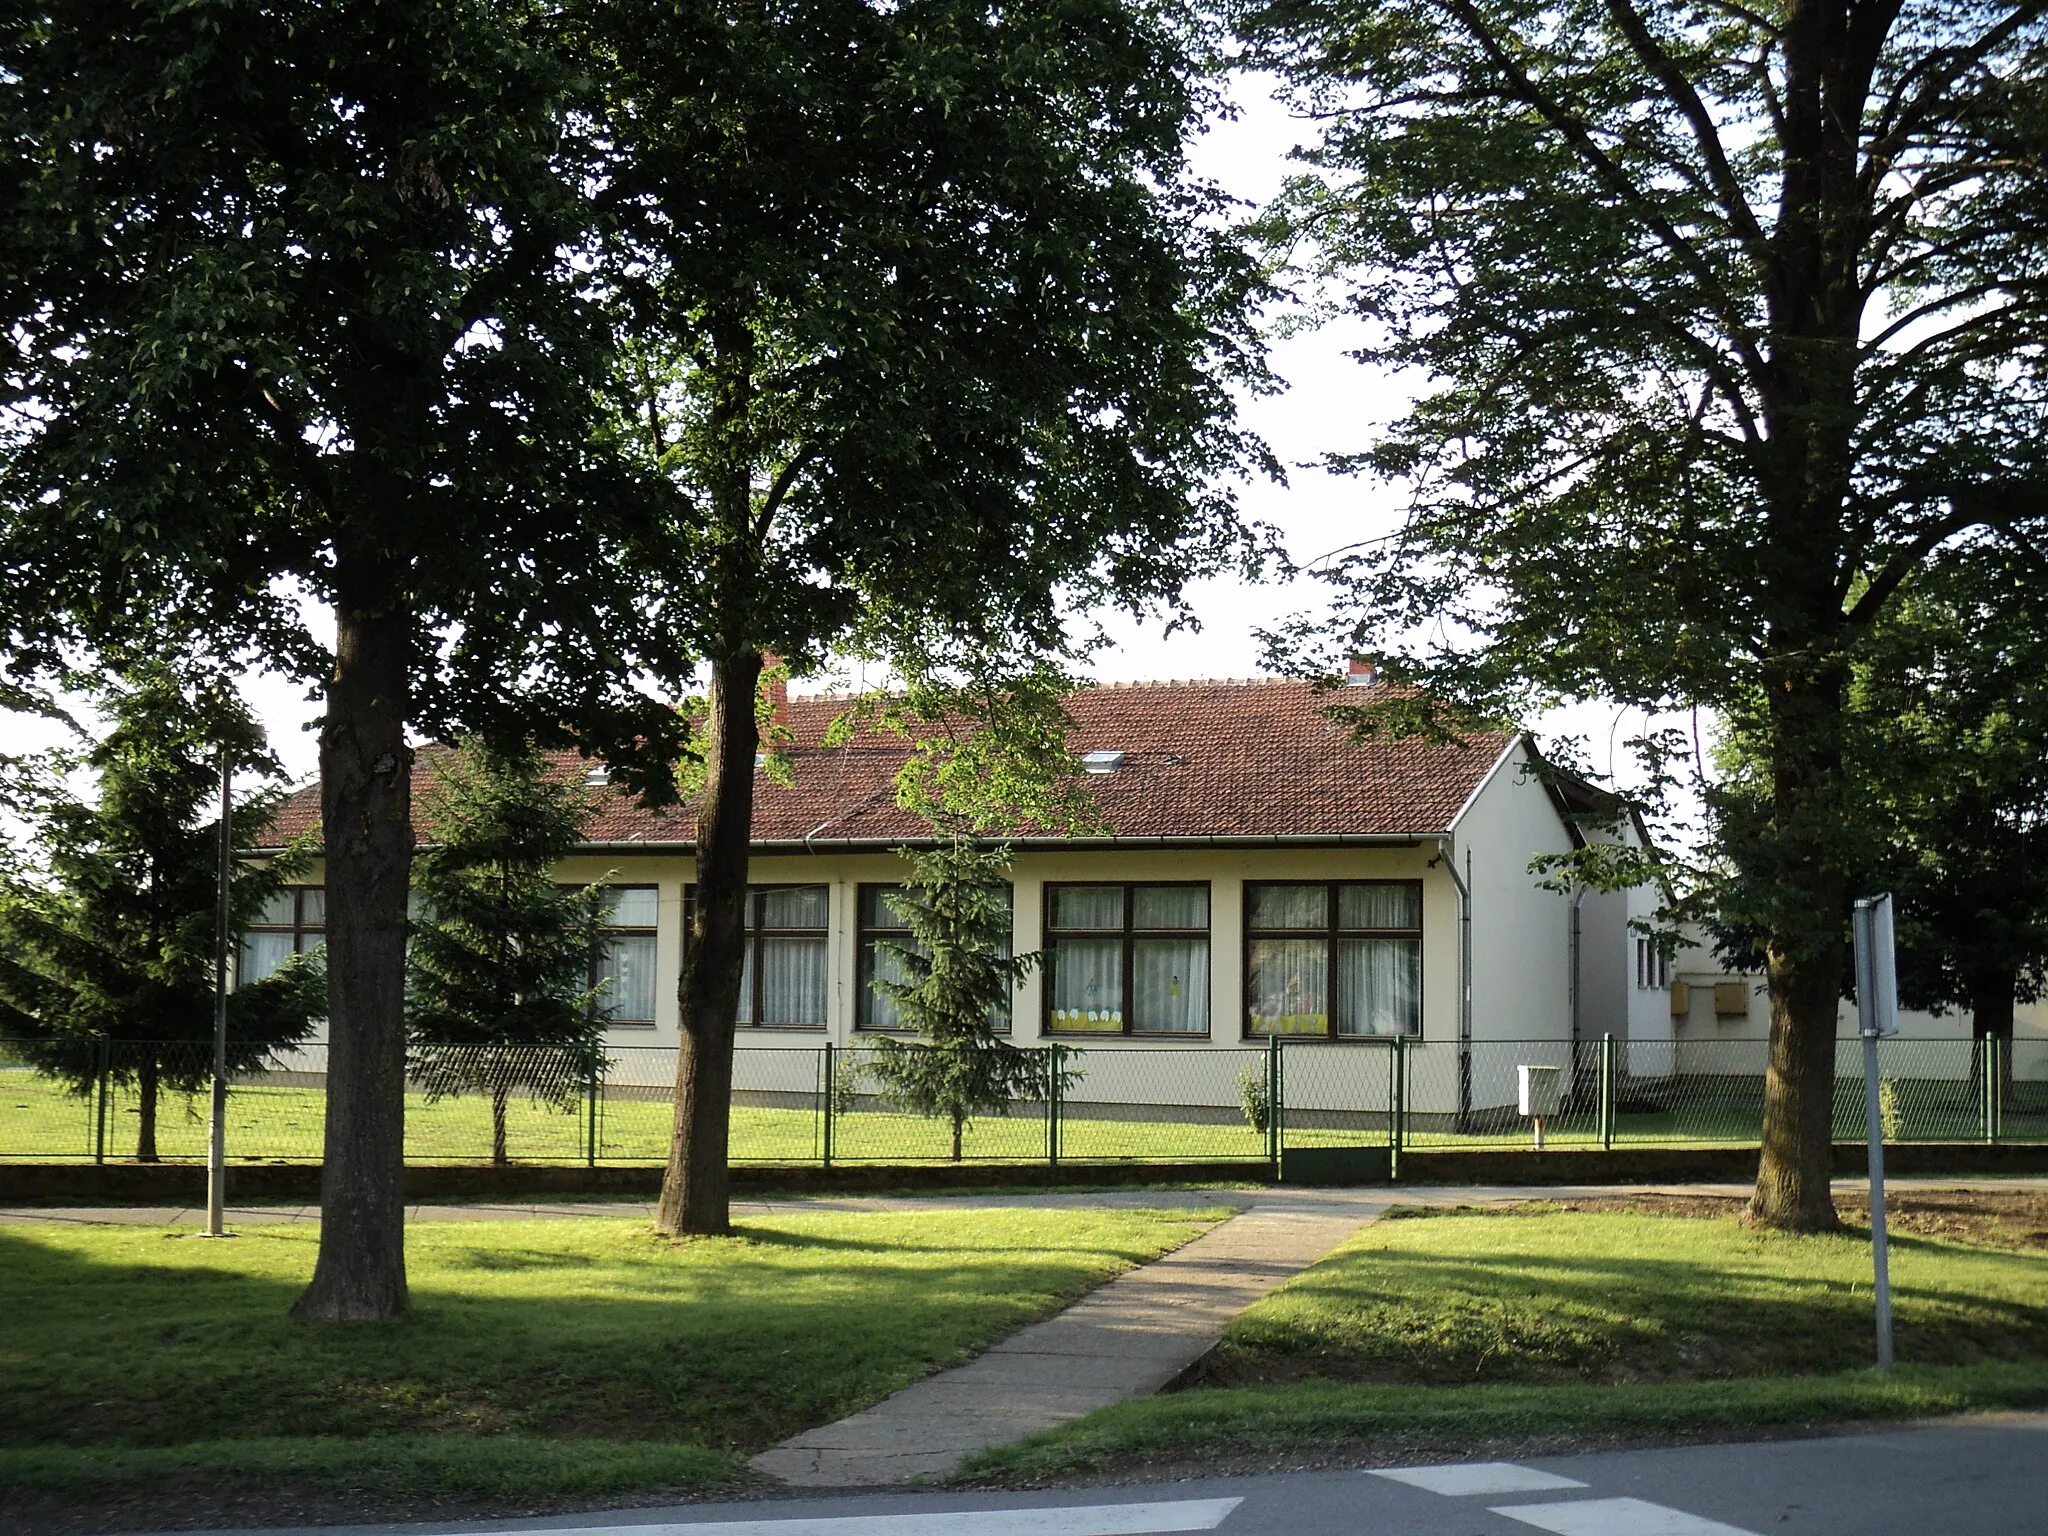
[
  {"x": 1379, "y": 986},
  {"x": 632, "y": 907},
  {"x": 793, "y": 906},
  {"x": 1290, "y": 986},
  {"x": 1170, "y": 985},
  {"x": 262, "y": 953},
  {"x": 1379, "y": 906},
  {"x": 627, "y": 972},
  {"x": 793, "y": 981},
  {"x": 882, "y": 965},
  {"x": 1170, "y": 906},
  {"x": 1289, "y": 906},
  {"x": 1088, "y": 984},
  {"x": 1088, "y": 906}
]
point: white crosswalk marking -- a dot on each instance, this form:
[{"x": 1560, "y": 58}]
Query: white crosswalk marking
[
  {"x": 1081, "y": 1520},
  {"x": 1615, "y": 1517},
  {"x": 1478, "y": 1477}
]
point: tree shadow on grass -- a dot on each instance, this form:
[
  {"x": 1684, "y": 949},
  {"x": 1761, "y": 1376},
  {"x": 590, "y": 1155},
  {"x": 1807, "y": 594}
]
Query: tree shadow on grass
[
  {"x": 1395, "y": 1315},
  {"x": 143, "y": 1341}
]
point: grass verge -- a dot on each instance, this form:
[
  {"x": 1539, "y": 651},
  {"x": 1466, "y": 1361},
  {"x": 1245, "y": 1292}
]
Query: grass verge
[
  {"x": 1402, "y": 1422},
  {"x": 1447, "y": 1331},
  {"x": 512, "y": 1467},
  {"x": 540, "y": 1358}
]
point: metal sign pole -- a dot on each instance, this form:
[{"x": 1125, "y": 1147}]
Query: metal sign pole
[
  {"x": 1877, "y": 1015},
  {"x": 217, "y": 1128}
]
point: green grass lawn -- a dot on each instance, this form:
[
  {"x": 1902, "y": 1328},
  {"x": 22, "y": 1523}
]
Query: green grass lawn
[
  {"x": 38, "y": 1120},
  {"x": 267, "y": 1122},
  {"x": 541, "y": 1357},
  {"x": 1440, "y": 1332}
]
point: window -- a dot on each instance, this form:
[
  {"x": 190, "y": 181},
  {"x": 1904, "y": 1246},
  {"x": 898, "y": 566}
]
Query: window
[
  {"x": 291, "y": 922},
  {"x": 1653, "y": 971},
  {"x": 881, "y": 923},
  {"x": 782, "y": 983},
  {"x": 626, "y": 970},
  {"x": 1337, "y": 959},
  {"x": 1127, "y": 959}
]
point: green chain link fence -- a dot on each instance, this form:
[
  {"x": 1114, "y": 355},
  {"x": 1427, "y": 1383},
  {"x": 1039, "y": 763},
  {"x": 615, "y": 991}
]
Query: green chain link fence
[{"x": 1104, "y": 1104}]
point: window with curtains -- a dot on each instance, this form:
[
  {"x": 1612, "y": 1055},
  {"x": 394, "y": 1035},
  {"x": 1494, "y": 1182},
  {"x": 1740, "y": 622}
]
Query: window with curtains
[
  {"x": 626, "y": 969},
  {"x": 1127, "y": 959},
  {"x": 782, "y": 983},
  {"x": 292, "y": 921},
  {"x": 1338, "y": 959},
  {"x": 882, "y": 924}
]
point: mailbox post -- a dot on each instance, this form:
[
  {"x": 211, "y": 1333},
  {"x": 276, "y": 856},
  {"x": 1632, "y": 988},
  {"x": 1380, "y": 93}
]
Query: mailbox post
[{"x": 1540, "y": 1096}]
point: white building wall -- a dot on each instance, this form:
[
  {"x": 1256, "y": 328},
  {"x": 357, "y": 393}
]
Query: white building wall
[
  {"x": 1521, "y": 933},
  {"x": 1520, "y": 948}
]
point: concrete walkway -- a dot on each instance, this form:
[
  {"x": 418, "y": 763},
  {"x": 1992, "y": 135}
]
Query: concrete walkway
[{"x": 1126, "y": 1339}]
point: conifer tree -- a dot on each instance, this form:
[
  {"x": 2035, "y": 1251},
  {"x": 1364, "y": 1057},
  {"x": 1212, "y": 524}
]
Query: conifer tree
[
  {"x": 107, "y": 952},
  {"x": 500, "y": 997},
  {"x": 957, "y": 977}
]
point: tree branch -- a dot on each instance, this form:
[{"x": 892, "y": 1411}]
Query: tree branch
[
  {"x": 1576, "y": 133},
  {"x": 1706, "y": 135}
]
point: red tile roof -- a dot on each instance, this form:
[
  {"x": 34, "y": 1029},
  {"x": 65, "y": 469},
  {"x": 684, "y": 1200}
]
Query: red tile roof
[{"x": 1236, "y": 760}]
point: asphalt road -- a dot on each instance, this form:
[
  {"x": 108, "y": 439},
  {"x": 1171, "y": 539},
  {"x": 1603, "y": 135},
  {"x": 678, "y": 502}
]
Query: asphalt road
[{"x": 1979, "y": 1477}]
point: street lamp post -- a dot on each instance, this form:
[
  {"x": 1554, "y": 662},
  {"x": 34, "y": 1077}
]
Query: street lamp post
[{"x": 217, "y": 1128}]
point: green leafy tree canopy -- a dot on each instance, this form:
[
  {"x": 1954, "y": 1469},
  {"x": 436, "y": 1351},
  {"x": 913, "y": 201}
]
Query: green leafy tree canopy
[
  {"x": 500, "y": 996},
  {"x": 1725, "y": 322},
  {"x": 107, "y": 952}
]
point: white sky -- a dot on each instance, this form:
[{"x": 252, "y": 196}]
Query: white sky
[{"x": 1330, "y": 404}]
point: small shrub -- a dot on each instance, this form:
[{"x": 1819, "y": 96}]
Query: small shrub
[{"x": 1255, "y": 1099}]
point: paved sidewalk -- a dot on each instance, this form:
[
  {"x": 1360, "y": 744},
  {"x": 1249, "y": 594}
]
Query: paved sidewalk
[
  {"x": 1055, "y": 1199},
  {"x": 1127, "y": 1339}
]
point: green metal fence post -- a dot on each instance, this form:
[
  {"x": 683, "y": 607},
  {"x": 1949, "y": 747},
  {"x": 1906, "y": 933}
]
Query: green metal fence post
[
  {"x": 1993, "y": 1055},
  {"x": 829, "y": 1085},
  {"x": 1053, "y": 1066},
  {"x": 2003, "y": 1057},
  {"x": 1397, "y": 1107},
  {"x": 1607, "y": 1074},
  {"x": 99, "y": 1138},
  {"x": 590, "y": 1108},
  {"x": 1273, "y": 1102}
]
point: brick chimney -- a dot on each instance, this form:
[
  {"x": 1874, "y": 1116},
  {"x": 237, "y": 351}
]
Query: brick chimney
[
  {"x": 778, "y": 686},
  {"x": 1363, "y": 672}
]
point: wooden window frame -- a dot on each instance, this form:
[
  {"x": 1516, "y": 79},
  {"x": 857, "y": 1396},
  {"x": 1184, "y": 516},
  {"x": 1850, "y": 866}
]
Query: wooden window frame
[
  {"x": 1130, "y": 934},
  {"x": 632, "y": 931},
  {"x": 863, "y": 931},
  {"x": 298, "y": 927},
  {"x": 751, "y": 935},
  {"x": 1331, "y": 934}
]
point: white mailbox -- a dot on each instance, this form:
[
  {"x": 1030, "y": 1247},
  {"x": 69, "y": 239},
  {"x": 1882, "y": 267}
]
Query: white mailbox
[{"x": 1540, "y": 1090}]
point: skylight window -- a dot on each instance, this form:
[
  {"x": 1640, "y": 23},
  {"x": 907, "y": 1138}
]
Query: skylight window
[{"x": 1101, "y": 762}]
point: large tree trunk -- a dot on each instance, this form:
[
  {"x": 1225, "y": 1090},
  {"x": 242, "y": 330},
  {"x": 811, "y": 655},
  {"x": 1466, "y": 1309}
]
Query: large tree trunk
[
  {"x": 694, "y": 1190},
  {"x": 146, "y": 1091},
  {"x": 1792, "y": 1179},
  {"x": 1992, "y": 1007},
  {"x": 1991, "y": 1018},
  {"x": 1804, "y": 957},
  {"x": 365, "y": 804}
]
